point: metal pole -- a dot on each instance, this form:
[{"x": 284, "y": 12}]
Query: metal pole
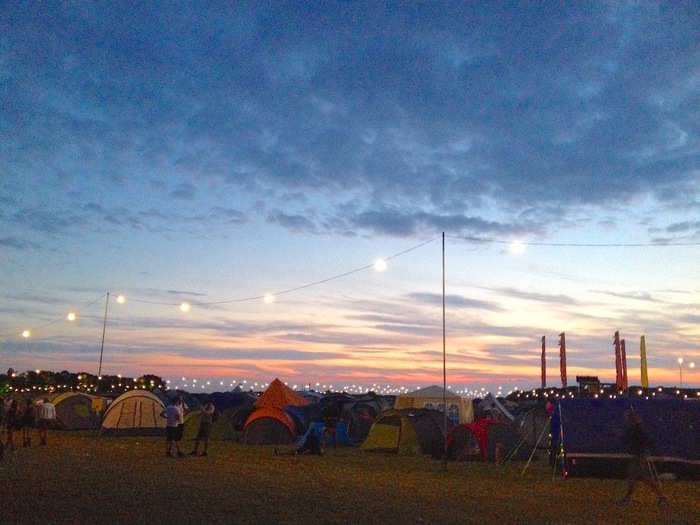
[
  {"x": 104, "y": 328},
  {"x": 680, "y": 372},
  {"x": 444, "y": 362}
]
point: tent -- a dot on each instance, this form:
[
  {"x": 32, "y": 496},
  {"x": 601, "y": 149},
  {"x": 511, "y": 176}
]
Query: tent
[
  {"x": 136, "y": 412},
  {"x": 269, "y": 424},
  {"x": 593, "y": 432},
  {"x": 359, "y": 417},
  {"x": 478, "y": 440},
  {"x": 492, "y": 407},
  {"x": 76, "y": 411},
  {"x": 534, "y": 425},
  {"x": 459, "y": 409},
  {"x": 407, "y": 432},
  {"x": 341, "y": 434}
]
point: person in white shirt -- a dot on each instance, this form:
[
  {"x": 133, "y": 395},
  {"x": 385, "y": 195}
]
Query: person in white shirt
[
  {"x": 47, "y": 417},
  {"x": 174, "y": 423}
]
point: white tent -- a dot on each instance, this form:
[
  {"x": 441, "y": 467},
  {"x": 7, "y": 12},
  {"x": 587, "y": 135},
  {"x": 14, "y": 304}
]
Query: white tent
[
  {"x": 137, "y": 412},
  {"x": 459, "y": 409}
]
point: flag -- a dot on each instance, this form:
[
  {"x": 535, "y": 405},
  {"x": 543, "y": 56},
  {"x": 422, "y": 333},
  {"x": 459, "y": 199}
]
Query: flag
[
  {"x": 544, "y": 367},
  {"x": 643, "y": 365},
  {"x": 623, "y": 362},
  {"x": 618, "y": 362},
  {"x": 562, "y": 358}
]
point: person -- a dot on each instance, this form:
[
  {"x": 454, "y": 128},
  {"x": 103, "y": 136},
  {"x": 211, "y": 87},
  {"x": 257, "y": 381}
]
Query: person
[
  {"x": 331, "y": 416},
  {"x": 2, "y": 422},
  {"x": 47, "y": 417},
  {"x": 173, "y": 415},
  {"x": 637, "y": 443},
  {"x": 27, "y": 423},
  {"x": 205, "y": 422},
  {"x": 13, "y": 422}
]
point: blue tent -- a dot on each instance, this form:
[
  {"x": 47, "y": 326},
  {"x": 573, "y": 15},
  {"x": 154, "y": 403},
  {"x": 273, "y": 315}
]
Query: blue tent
[
  {"x": 592, "y": 431},
  {"x": 340, "y": 431}
]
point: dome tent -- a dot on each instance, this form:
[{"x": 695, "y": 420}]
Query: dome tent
[
  {"x": 407, "y": 432},
  {"x": 269, "y": 424},
  {"x": 478, "y": 440},
  {"x": 459, "y": 409},
  {"x": 136, "y": 413},
  {"x": 76, "y": 411}
]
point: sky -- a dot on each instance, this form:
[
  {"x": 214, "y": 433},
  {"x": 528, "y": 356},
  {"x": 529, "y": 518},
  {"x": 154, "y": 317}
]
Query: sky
[{"x": 177, "y": 152}]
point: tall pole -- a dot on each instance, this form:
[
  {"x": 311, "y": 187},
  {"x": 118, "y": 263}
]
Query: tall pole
[
  {"x": 104, "y": 329},
  {"x": 680, "y": 373},
  {"x": 444, "y": 362}
]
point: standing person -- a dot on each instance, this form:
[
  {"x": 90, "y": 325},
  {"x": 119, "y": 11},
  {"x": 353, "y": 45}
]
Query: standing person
[
  {"x": 173, "y": 431},
  {"x": 47, "y": 417},
  {"x": 13, "y": 422},
  {"x": 27, "y": 424},
  {"x": 206, "y": 420},
  {"x": 331, "y": 416},
  {"x": 637, "y": 443}
]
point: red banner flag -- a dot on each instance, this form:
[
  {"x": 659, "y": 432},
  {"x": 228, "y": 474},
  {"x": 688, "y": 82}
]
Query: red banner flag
[
  {"x": 618, "y": 362},
  {"x": 562, "y": 358},
  {"x": 623, "y": 363},
  {"x": 544, "y": 367}
]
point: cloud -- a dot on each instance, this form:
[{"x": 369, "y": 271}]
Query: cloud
[
  {"x": 17, "y": 243},
  {"x": 293, "y": 222},
  {"x": 637, "y": 296},
  {"x": 560, "y": 299},
  {"x": 184, "y": 191},
  {"x": 454, "y": 301}
]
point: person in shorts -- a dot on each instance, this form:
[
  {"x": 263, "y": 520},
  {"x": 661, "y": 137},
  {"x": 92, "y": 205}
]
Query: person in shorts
[
  {"x": 205, "y": 422},
  {"x": 47, "y": 418},
  {"x": 174, "y": 420}
]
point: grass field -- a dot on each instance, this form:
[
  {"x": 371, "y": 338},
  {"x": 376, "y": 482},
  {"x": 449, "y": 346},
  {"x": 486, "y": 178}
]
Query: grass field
[{"x": 83, "y": 479}]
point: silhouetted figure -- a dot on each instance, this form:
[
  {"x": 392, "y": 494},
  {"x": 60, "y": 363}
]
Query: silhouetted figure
[
  {"x": 174, "y": 418},
  {"x": 638, "y": 469},
  {"x": 331, "y": 416},
  {"x": 13, "y": 423},
  {"x": 27, "y": 424},
  {"x": 206, "y": 420}
]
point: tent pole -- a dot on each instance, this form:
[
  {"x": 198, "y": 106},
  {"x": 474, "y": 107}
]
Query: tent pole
[{"x": 444, "y": 363}]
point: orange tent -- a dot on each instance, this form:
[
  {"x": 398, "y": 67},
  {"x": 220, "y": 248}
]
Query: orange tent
[
  {"x": 279, "y": 395},
  {"x": 274, "y": 413}
]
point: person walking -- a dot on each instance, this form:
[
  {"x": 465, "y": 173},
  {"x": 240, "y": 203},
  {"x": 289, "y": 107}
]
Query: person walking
[
  {"x": 638, "y": 469},
  {"x": 47, "y": 418},
  {"x": 27, "y": 424},
  {"x": 174, "y": 421},
  {"x": 206, "y": 419}
]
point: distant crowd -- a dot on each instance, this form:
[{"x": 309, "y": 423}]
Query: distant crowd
[{"x": 17, "y": 420}]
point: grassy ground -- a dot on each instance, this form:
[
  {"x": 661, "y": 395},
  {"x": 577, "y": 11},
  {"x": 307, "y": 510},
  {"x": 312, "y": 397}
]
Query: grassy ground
[{"x": 83, "y": 479}]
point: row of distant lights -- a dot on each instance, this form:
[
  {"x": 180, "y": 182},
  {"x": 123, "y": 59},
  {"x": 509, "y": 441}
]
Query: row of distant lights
[
  {"x": 378, "y": 388},
  {"x": 379, "y": 265}
]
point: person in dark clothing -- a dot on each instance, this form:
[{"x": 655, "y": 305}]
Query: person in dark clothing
[
  {"x": 27, "y": 424},
  {"x": 638, "y": 469},
  {"x": 331, "y": 416},
  {"x": 13, "y": 423}
]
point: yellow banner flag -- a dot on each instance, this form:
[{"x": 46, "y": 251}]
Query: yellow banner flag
[{"x": 643, "y": 359}]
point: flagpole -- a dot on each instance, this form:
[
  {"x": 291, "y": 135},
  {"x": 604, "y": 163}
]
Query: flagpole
[
  {"x": 104, "y": 328},
  {"x": 444, "y": 362}
]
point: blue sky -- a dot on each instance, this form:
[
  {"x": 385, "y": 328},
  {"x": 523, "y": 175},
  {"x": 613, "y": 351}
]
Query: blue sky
[{"x": 178, "y": 152}]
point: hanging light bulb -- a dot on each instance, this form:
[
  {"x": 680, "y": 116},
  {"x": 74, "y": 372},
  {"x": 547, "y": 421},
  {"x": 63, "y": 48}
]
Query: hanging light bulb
[
  {"x": 379, "y": 265},
  {"x": 121, "y": 299},
  {"x": 185, "y": 307},
  {"x": 27, "y": 334},
  {"x": 71, "y": 316},
  {"x": 268, "y": 298}
]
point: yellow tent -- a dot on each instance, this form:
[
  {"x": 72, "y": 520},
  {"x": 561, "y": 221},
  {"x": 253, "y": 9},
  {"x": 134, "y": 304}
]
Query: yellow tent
[{"x": 459, "y": 409}]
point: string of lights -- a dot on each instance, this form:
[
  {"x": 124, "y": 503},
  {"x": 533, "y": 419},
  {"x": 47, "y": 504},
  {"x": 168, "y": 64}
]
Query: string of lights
[{"x": 378, "y": 265}]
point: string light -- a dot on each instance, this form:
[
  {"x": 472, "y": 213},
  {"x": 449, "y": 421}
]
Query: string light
[
  {"x": 26, "y": 334},
  {"x": 379, "y": 265},
  {"x": 121, "y": 299},
  {"x": 184, "y": 307},
  {"x": 268, "y": 298},
  {"x": 71, "y": 316}
]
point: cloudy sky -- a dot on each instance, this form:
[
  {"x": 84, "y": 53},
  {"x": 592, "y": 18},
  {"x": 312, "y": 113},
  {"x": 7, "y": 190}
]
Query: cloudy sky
[{"x": 185, "y": 153}]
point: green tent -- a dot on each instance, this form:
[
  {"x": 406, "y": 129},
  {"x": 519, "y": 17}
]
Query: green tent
[{"x": 407, "y": 432}]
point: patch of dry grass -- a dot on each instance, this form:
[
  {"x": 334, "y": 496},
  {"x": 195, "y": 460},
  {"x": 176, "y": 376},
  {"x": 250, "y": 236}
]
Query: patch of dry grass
[{"x": 83, "y": 479}]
